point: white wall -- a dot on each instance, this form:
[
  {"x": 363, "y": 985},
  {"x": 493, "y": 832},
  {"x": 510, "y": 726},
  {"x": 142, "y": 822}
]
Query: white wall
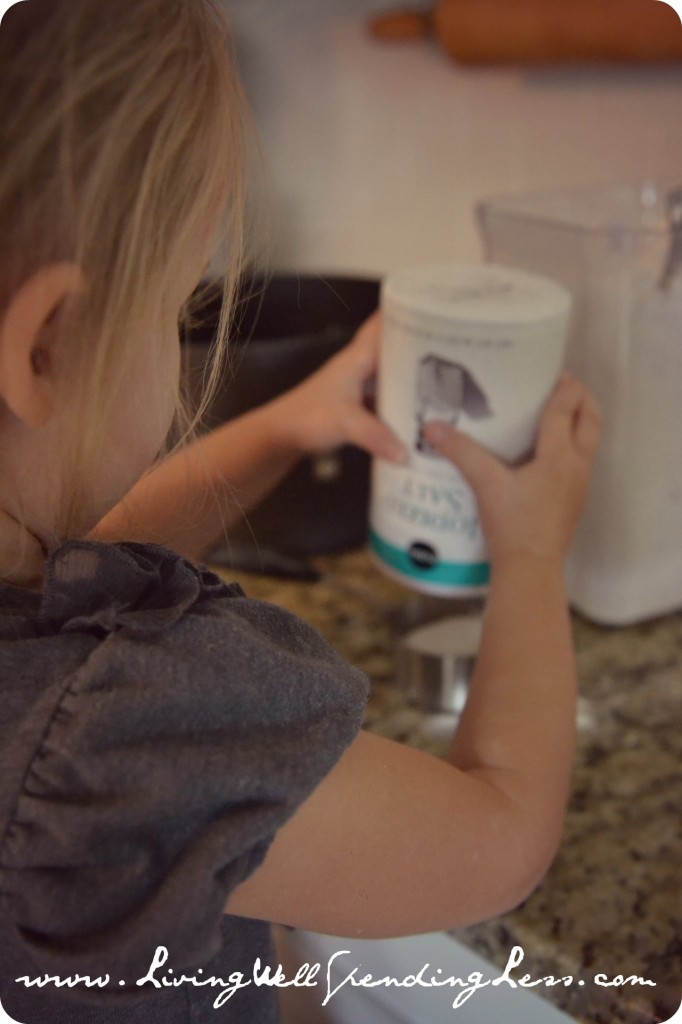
[{"x": 379, "y": 152}]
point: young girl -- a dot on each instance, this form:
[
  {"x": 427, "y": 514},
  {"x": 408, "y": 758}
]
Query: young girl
[{"x": 179, "y": 764}]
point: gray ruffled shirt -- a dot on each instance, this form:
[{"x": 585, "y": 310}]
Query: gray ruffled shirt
[{"x": 156, "y": 728}]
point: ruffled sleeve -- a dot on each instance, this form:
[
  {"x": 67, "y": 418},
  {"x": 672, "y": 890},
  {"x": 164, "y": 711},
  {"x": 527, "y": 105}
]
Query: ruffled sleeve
[{"x": 195, "y": 726}]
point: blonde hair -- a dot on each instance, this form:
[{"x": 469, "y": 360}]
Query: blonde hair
[{"x": 123, "y": 134}]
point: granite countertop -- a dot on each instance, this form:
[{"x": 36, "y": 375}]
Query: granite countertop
[{"x": 612, "y": 901}]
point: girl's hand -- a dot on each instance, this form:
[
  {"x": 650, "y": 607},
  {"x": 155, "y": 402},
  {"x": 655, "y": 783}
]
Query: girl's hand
[
  {"x": 532, "y": 510},
  {"x": 328, "y": 409}
]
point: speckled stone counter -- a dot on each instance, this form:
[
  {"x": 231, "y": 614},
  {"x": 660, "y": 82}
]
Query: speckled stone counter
[{"x": 612, "y": 902}]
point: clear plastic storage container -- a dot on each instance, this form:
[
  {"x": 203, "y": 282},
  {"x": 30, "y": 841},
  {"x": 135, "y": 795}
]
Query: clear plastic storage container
[{"x": 617, "y": 248}]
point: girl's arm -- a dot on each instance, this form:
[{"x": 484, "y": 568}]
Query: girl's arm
[
  {"x": 188, "y": 502},
  {"x": 395, "y": 841}
]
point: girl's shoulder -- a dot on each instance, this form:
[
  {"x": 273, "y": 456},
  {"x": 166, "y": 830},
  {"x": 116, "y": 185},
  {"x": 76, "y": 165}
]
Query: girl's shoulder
[
  {"x": 141, "y": 588},
  {"x": 141, "y": 624},
  {"x": 169, "y": 727},
  {"x": 146, "y": 602}
]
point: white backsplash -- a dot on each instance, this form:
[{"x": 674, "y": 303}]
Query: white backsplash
[{"x": 378, "y": 152}]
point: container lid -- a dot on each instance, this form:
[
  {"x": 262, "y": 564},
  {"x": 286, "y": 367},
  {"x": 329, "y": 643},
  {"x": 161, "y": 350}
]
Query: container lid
[{"x": 488, "y": 293}]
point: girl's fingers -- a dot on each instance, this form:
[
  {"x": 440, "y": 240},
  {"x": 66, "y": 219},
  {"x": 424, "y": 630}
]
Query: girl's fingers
[
  {"x": 558, "y": 419},
  {"x": 588, "y": 426},
  {"x": 368, "y": 432},
  {"x": 475, "y": 462},
  {"x": 370, "y": 330},
  {"x": 359, "y": 358},
  {"x": 368, "y": 336}
]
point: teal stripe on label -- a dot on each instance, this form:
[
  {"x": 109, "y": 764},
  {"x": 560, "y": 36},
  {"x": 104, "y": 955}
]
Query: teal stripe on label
[{"x": 452, "y": 574}]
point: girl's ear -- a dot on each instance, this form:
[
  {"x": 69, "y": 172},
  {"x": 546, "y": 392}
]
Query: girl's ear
[{"x": 28, "y": 361}]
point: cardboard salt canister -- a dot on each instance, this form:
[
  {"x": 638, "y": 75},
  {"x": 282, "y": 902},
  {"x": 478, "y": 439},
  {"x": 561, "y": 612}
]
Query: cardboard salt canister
[{"x": 480, "y": 347}]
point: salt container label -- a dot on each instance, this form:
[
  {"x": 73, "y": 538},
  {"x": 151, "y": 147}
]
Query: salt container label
[{"x": 487, "y": 374}]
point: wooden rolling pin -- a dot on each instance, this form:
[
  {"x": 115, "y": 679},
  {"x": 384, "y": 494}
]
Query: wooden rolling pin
[{"x": 543, "y": 31}]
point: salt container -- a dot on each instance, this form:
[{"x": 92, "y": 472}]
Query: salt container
[{"x": 476, "y": 346}]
